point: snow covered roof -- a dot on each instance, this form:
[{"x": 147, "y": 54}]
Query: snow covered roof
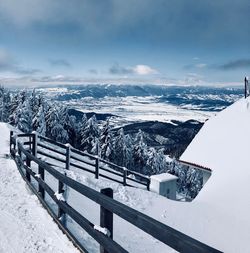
[
  {"x": 194, "y": 165},
  {"x": 223, "y": 145}
]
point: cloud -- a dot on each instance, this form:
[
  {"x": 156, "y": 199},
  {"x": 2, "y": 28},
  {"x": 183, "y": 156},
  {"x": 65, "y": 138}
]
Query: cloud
[
  {"x": 116, "y": 69},
  {"x": 205, "y": 20},
  {"x": 144, "y": 70},
  {"x": 57, "y": 79},
  {"x": 195, "y": 66},
  {"x": 234, "y": 65},
  {"x": 59, "y": 63},
  {"x": 9, "y": 64}
]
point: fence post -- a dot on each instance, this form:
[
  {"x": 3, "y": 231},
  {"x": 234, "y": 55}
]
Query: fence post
[
  {"x": 28, "y": 162},
  {"x": 11, "y": 135},
  {"x": 106, "y": 217},
  {"x": 124, "y": 176},
  {"x": 97, "y": 161},
  {"x": 61, "y": 213},
  {"x": 97, "y": 167},
  {"x": 19, "y": 150},
  {"x": 40, "y": 188},
  {"x": 67, "y": 167},
  {"x": 245, "y": 81},
  {"x": 34, "y": 143},
  {"x": 148, "y": 184},
  {"x": 67, "y": 156}
]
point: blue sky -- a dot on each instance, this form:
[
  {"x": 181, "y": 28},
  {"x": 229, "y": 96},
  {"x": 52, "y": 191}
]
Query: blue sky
[{"x": 132, "y": 41}]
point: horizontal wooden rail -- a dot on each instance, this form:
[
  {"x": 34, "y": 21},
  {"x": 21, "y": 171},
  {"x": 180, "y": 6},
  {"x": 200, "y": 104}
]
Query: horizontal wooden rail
[
  {"x": 81, "y": 153},
  {"x": 114, "y": 169},
  {"x": 40, "y": 144},
  {"x": 51, "y": 141},
  {"x": 51, "y": 156},
  {"x": 107, "y": 243},
  {"x": 160, "y": 231},
  {"x": 81, "y": 160},
  {"x": 111, "y": 171},
  {"x": 82, "y": 168}
]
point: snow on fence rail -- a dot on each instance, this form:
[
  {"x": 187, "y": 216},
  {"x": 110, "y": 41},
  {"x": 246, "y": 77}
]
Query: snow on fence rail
[
  {"x": 171, "y": 237},
  {"x": 76, "y": 158}
]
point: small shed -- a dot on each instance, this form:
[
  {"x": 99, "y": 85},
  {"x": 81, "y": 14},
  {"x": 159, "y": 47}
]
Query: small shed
[{"x": 164, "y": 184}]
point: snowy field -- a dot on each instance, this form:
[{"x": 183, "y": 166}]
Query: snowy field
[{"x": 136, "y": 109}]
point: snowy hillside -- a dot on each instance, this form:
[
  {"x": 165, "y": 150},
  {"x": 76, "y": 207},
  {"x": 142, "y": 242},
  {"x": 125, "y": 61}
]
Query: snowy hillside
[{"x": 24, "y": 225}]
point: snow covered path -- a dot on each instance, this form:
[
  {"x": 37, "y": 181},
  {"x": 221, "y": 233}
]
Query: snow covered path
[{"x": 24, "y": 225}]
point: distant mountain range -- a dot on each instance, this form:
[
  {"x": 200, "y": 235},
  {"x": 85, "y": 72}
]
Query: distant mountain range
[{"x": 202, "y": 98}]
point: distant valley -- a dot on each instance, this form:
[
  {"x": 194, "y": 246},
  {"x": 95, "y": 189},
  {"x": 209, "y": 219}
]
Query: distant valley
[{"x": 170, "y": 116}]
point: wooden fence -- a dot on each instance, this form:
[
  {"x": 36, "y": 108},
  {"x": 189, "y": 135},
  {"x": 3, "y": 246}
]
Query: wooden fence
[
  {"x": 25, "y": 154},
  {"x": 72, "y": 157},
  {"x": 247, "y": 88}
]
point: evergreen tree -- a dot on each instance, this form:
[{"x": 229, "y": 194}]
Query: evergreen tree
[
  {"x": 129, "y": 151},
  {"x": 54, "y": 127},
  {"x": 5, "y": 103},
  {"x": 79, "y": 127},
  {"x": 14, "y": 104},
  {"x": 34, "y": 103},
  {"x": 38, "y": 123},
  {"x": 7, "y": 106},
  {"x": 152, "y": 162},
  {"x": 120, "y": 148},
  {"x": 71, "y": 127},
  {"x": 156, "y": 162},
  {"x": 90, "y": 135},
  {"x": 24, "y": 117},
  {"x": 139, "y": 152},
  {"x": 106, "y": 140}
]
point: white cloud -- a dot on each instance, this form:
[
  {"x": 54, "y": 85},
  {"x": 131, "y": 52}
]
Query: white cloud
[
  {"x": 140, "y": 69},
  {"x": 144, "y": 70}
]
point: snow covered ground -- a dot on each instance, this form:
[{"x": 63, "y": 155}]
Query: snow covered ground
[
  {"x": 219, "y": 216},
  {"x": 24, "y": 225}
]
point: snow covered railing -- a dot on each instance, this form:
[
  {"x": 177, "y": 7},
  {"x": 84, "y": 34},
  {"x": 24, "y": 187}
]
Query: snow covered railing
[
  {"x": 93, "y": 164},
  {"x": 103, "y": 234},
  {"x": 72, "y": 157}
]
